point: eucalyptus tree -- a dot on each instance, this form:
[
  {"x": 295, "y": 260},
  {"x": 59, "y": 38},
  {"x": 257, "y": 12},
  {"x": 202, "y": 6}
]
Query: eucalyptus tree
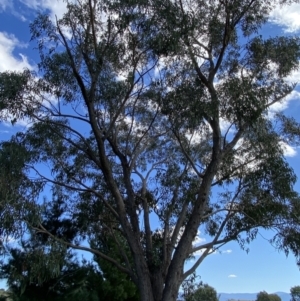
[{"x": 154, "y": 120}]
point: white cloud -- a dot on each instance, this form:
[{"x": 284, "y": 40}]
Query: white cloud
[
  {"x": 198, "y": 240},
  {"x": 232, "y": 276},
  {"x": 288, "y": 150},
  {"x": 287, "y": 16},
  {"x": 8, "y": 61},
  {"x": 197, "y": 243},
  {"x": 11, "y": 62},
  {"x": 294, "y": 77},
  {"x": 226, "y": 251},
  {"x": 55, "y": 7},
  {"x": 284, "y": 104}
]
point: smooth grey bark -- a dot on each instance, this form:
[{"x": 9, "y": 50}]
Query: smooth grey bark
[{"x": 175, "y": 271}]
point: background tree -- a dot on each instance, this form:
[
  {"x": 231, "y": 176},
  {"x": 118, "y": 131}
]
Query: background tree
[
  {"x": 264, "y": 296},
  {"x": 203, "y": 292},
  {"x": 127, "y": 119},
  {"x": 42, "y": 269},
  {"x": 295, "y": 293},
  {"x": 4, "y": 295},
  {"x": 75, "y": 281}
]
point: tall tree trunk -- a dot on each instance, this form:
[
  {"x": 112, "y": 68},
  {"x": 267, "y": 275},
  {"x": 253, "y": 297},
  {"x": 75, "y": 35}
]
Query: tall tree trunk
[
  {"x": 157, "y": 285},
  {"x": 171, "y": 289},
  {"x": 144, "y": 283},
  {"x": 175, "y": 272}
]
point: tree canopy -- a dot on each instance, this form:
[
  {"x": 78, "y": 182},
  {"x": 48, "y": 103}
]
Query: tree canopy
[
  {"x": 147, "y": 122},
  {"x": 203, "y": 292},
  {"x": 264, "y": 296},
  {"x": 35, "y": 274},
  {"x": 295, "y": 293}
]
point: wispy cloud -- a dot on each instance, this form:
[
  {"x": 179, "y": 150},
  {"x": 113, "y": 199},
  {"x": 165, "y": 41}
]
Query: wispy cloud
[
  {"x": 232, "y": 276},
  {"x": 8, "y": 6},
  {"x": 57, "y": 8},
  {"x": 226, "y": 251},
  {"x": 4, "y": 4}
]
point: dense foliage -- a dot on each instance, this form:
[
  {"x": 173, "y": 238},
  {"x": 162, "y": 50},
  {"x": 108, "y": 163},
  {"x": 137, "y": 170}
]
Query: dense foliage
[
  {"x": 149, "y": 121},
  {"x": 35, "y": 274},
  {"x": 264, "y": 296},
  {"x": 201, "y": 293},
  {"x": 295, "y": 293}
]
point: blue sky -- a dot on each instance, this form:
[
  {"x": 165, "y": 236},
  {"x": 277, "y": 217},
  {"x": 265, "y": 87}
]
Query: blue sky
[{"x": 231, "y": 270}]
